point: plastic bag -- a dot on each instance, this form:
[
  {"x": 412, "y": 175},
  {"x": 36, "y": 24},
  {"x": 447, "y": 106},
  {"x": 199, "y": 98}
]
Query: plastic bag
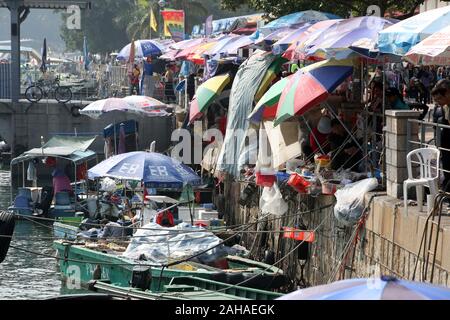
[
  {"x": 108, "y": 185},
  {"x": 271, "y": 201},
  {"x": 350, "y": 200}
]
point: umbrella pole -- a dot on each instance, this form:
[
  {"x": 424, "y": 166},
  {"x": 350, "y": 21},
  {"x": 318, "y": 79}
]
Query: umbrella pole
[
  {"x": 115, "y": 147},
  {"x": 189, "y": 203},
  {"x": 313, "y": 135},
  {"x": 343, "y": 124}
]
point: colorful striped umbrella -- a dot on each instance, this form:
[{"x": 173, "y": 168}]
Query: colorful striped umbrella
[
  {"x": 266, "y": 108},
  {"x": 297, "y": 18},
  {"x": 399, "y": 38},
  {"x": 310, "y": 86},
  {"x": 270, "y": 75},
  {"x": 197, "y": 55},
  {"x": 434, "y": 50},
  {"x": 191, "y": 48},
  {"x": 281, "y": 45},
  {"x": 337, "y": 39},
  {"x": 294, "y": 51},
  {"x": 383, "y": 288},
  {"x": 206, "y": 93}
]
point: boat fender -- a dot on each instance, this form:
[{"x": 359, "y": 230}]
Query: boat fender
[
  {"x": 7, "y": 224},
  {"x": 141, "y": 277},
  {"x": 219, "y": 277},
  {"x": 75, "y": 111},
  {"x": 269, "y": 257}
]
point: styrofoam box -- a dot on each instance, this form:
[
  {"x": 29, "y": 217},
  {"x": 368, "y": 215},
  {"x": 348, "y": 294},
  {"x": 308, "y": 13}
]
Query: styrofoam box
[
  {"x": 207, "y": 214},
  {"x": 183, "y": 213}
]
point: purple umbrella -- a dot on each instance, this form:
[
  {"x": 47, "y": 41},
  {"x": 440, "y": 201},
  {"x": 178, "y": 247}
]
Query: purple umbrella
[
  {"x": 343, "y": 34},
  {"x": 274, "y": 36},
  {"x": 281, "y": 45}
]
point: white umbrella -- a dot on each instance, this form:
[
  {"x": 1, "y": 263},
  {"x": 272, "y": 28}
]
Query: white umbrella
[
  {"x": 151, "y": 106},
  {"x": 434, "y": 50}
]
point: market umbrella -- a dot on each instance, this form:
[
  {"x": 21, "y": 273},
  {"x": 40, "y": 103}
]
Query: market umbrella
[
  {"x": 383, "y": 288},
  {"x": 294, "y": 50},
  {"x": 154, "y": 169},
  {"x": 99, "y": 107},
  {"x": 434, "y": 50},
  {"x": 186, "y": 44},
  {"x": 274, "y": 36},
  {"x": 266, "y": 108},
  {"x": 206, "y": 93},
  {"x": 197, "y": 55},
  {"x": 170, "y": 55},
  {"x": 270, "y": 76},
  {"x": 338, "y": 38},
  {"x": 281, "y": 45},
  {"x": 399, "y": 38},
  {"x": 150, "y": 106},
  {"x": 297, "y": 18},
  {"x": 221, "y": 44},
  {"x": 310, "y": 86},
  {"x": 189, "y": 50},
  {"x": 141, "y": 49}
]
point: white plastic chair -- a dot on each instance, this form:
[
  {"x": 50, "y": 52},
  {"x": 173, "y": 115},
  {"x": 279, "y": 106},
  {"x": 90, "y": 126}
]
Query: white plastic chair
[{"x": 427, "y": 178}]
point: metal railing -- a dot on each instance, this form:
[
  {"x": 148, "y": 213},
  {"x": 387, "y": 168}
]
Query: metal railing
[{"x": 374, "y": 142}]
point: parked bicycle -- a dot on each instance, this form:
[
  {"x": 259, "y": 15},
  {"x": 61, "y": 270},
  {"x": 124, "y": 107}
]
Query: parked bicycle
[{"x": 43, "y": 88}]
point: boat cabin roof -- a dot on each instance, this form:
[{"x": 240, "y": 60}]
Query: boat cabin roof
[{"x": 71, "y": 148}]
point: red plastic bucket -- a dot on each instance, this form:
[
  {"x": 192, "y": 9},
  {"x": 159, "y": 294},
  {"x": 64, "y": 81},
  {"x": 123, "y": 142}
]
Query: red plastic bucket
[
  {"x": 264, "y": 180},
  {"x": 299, "y": 183}
]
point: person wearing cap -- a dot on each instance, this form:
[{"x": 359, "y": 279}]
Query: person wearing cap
[
  {"x": 320, "y": 134},
  {"x": 395, "y": 99}
]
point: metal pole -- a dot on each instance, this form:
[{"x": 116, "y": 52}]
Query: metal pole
[
  {"x": 313, "y": 135},
  {"x": 345, "y": 127},
  {"x": 15, "y": 50}
]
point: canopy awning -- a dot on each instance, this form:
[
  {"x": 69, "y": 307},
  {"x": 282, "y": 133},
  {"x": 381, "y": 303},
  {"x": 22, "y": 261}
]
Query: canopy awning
[{"x": 74, "y": 149}]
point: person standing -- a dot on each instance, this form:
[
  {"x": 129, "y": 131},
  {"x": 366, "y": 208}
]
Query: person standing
[
  {"x": 441, "y": 95},
  {"x": 134, "y": 80},
  {"x": 168, "y": 85},
  {"x": 148, "y": 82}
]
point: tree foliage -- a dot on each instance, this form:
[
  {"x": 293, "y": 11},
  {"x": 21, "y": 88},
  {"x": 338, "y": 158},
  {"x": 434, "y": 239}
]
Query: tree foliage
[{"x": 343, "y": 8}]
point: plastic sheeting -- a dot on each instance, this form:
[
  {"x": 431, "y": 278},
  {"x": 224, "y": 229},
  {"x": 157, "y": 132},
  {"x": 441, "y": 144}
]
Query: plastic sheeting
[
  {"x": 157, "y": 244},
  {"x": 245, "y": 85}
]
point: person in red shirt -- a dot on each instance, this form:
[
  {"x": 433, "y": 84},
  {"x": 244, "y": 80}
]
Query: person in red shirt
[{"x": 320, "y": 133}]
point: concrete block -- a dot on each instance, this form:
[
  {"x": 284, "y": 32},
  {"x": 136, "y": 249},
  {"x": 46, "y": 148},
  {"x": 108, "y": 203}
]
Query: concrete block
[
  {"x": 396, "y": 158},
  {"x": 396, "y": 174},
  {"x": 396, "y": 142},
  {"x": 388, "y": 218},
  {"x": 394, "y": 190},
  {"x": 445, "y": 261},
  {"x": 406, "y": 229}
]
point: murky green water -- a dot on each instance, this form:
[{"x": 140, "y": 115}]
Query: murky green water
[{"x": 25, "y": 275}]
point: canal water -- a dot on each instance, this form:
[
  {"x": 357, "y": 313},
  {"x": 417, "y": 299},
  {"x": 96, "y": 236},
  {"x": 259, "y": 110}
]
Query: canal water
[{"x": 25, "y": 275}]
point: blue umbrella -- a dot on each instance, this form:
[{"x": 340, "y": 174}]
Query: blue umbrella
[
  {"x": 384, "y": 288},
  {"x": 294, "y": 19},
  {"x": 154, "y": 169},
  {"x": 144, "y": 48},
  {"x": 400, "y": 37}
]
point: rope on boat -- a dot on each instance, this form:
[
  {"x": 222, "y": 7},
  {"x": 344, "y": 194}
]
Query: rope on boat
[{"x": 219, "y": 231}]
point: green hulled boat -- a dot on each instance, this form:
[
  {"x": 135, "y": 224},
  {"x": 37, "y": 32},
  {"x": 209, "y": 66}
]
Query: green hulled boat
[{"x": 87, "y": 264}]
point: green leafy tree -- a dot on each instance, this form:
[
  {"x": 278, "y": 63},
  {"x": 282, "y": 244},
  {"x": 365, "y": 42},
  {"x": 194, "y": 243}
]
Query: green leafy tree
[
  {"x": 277, "y": 8},
  {"x": 104, "y": 26}
]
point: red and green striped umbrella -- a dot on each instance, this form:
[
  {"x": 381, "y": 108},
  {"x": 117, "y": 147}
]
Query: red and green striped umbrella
[
  {"x": 266, "y": 108},
  {"x": 206, "y": 93},
  {"x": 310, "y": 86}
]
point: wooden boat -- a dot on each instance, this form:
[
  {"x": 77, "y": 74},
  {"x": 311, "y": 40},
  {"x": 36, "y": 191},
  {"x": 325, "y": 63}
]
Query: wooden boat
[
  {"x": 26, "y": 203},
  {"x": 102, "y": 262}
]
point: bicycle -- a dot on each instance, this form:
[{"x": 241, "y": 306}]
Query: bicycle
[{"x": 43, "y": 88}]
